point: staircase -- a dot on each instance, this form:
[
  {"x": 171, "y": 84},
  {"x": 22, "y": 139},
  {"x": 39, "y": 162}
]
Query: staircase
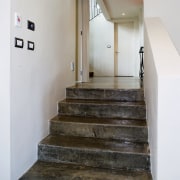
[{"x": 99, "y": 134}]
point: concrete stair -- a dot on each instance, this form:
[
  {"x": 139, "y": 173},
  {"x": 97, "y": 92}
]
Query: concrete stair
[
  {"x": 94, "y": 152},
  {"x": 61, "y": 171},
  {"x": 103, "y": 128},
  {"x": 105, "y": 94},
  {"x": 103, "y": 109},
  {"x": 98, "y": 130}
]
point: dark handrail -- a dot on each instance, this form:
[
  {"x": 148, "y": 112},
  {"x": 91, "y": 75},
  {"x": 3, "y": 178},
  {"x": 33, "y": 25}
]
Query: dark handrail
[{"x": 141, "y": 71}]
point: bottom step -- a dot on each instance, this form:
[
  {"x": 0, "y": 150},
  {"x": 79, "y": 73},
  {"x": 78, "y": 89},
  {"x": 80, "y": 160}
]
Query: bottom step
[
  {"x": 55, "y": 171},
  {"x": 94, "y": 152}
]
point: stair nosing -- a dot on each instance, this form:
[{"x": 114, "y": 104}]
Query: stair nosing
[
  {"x": 99, "y": 124},
  {"x": 104, "y": 89},
  {"x": 60, "y": 119},
  {"x": 96, "y": 150},
  {"x": 103, "y": 102}
]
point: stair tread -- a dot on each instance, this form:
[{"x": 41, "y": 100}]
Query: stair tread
[
  {"x": 101, "y": 121},
  {"x": 82, "y": 87},
  {"x": 49, "y": 170},
  {"x": 96, "y": 144},
  {"x": 103, "y": 102}
]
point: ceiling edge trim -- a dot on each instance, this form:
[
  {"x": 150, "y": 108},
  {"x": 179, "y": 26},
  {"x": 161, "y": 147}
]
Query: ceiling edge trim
[
  {"x": 119, "y": 20},
  {"x": 104, "y": 9}
]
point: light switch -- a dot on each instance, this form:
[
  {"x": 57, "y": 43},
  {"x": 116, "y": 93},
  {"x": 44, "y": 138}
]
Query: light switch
[
  {"x": 31, "y": 25},
  {"x": 30, "y": 45},
  {"x": 18, "y": 20},
  {"x": 72, "y": 66},
  {"x": 19, "y": 43}
]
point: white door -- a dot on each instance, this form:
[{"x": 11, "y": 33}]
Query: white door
[{"x": 124, "y": 49}]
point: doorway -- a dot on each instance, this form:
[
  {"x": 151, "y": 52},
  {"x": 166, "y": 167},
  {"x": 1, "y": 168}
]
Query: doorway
[
  {"x": 101, "y": 52},
  {"x": 124, "y": 48}
]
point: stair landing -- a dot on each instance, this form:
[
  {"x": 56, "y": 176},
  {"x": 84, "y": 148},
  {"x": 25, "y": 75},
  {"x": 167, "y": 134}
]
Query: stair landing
[{"x": 111, "y": 83}]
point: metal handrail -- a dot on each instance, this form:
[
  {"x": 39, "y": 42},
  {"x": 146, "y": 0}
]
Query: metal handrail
[{"x": 141, "y": 71}]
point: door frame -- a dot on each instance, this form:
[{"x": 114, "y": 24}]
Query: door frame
[
  {"x": 82, "y": 63},
  {"x": 128, "y": 20}
]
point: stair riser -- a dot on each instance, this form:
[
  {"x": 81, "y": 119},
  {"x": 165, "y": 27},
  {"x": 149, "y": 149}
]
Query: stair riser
[
  {"x": 112, "y": 160},
  {"x": 101, "y": 94},
  {"x": 138, "y": 134},
  {"x": 101, "y": 110}
]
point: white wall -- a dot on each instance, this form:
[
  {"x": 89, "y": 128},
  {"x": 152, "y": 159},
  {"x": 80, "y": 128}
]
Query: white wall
[
  {"x": 151, "y": 95},
  {"x": 169, "y": 12},
  {"x": 39, "y": 78},
  {"x": 138, "y": 42},
  {"x": 141, "y": 26},
  {"x": 162, "y": 87},
  {"x": 82, "y": 48},
  {"x": 5, "y": 90},
  {"x": 101, "y": 57}
]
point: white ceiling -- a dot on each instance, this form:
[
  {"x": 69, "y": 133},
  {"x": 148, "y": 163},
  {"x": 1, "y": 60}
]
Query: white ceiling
[{"x": 115, "y": 8}]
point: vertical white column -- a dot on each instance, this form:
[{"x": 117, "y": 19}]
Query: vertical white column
[{"x": 5, "y": 156}]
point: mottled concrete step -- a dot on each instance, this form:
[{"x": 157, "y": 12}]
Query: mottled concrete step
[
  {"x": 93, "y": 152},
  {"x": 122, "y": 129},
  {"x": 108, "y": 109},
  {"x": 56, "y": 171},
  {"x": 105, "y": 94}
]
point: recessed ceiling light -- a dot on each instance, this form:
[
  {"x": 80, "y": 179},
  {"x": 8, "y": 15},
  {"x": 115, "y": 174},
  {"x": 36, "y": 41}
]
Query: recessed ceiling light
[{"x": 123, "y": 14}]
